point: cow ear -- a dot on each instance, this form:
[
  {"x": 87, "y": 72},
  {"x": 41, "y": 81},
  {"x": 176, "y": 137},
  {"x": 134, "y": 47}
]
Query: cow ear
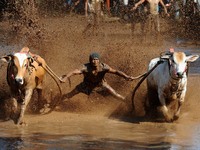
[
  {"x": 30, "y": 59},
  {"x": 7, "y": 58},
  {"x": 192, "y": 58}
]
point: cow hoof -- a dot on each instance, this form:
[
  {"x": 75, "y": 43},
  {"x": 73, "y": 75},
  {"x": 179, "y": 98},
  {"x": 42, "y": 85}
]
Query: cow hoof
[
  {"x": 7, "y": 118},
  {"x": 21, "y": 123},
  {"x": 169, "y": 119},
  {"x": 45, "y": 109},
  {"x": 176, "y": 117}
]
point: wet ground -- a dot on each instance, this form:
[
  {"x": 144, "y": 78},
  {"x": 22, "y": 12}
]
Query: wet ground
[{"x": 99, "y": 122}]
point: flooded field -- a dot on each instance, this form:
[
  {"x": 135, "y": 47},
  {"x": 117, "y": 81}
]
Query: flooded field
[{"x": 102, "y": 123}]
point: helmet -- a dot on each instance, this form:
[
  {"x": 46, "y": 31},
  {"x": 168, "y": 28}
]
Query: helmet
[{"x": 93, "y": 56}]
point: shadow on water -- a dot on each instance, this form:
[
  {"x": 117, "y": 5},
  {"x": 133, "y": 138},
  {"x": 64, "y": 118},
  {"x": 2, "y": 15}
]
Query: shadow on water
[
  {"x": 45, "y": 141},
  {"x": 11, "y": 143}
]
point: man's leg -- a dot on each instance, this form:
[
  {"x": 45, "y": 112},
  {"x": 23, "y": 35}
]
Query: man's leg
[
  {"x": 81, "y": 88},
  {"x": 112, "y": 91},
  {"x": 70, "y": 94},
  {"x": 90, "y": 20},
  {"x": 95, "y": 23},
  {"x": 133, "y": 28},
  {"x": 156, "y": 22},
  {"x": 148, "y": 24},
  {"x": 157, "y": 28}
]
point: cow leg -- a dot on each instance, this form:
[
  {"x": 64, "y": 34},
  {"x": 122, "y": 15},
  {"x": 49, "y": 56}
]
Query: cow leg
[
  {"x": 180, "y": 102},
  {"x": 164, "y": 108},
  {"x": 41, "y": 101},
  {"x": 176, "y": 116},
  {"x": 24, "y": 104},
  {"x": 152, "y": 101},
  {"x": 11, "y": 109}
]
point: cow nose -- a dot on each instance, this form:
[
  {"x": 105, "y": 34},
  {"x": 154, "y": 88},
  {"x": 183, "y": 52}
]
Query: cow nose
[
  {"x": 179, "y": 74},
  {"x": 19, "y": 80}
]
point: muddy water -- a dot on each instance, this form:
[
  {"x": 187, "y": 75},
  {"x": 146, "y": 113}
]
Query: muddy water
[
  {"x": 99, "y": 133},
  {"x": 74, "y": 131},
  {"x": 64, "y": 130}
]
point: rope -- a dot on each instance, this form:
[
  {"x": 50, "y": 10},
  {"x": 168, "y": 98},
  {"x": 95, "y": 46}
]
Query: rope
[
  {"x": 54, "y": 76},
  {"x": 140, "y": 82},
  {"x": 140, "y": 76}
]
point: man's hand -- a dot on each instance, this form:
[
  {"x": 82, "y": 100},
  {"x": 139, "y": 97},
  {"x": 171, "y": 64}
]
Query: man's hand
[
  {"x": 130, "y": 78},
  {"x": 133, "y": 8},
  {"x": 168, "y": 15},
  {"x": 63, "y": 79}
]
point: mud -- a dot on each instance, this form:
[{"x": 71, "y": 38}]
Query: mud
[{"x": 66, "y": 48}]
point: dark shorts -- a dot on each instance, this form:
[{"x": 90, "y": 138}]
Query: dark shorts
[
  {"x": 89, "y": 88},
  {"x": 101, "y": 88}
]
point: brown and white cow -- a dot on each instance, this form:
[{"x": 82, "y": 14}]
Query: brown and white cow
[
  {"x": 24, "y": 74},
  {"x": 169, "y": 82}
]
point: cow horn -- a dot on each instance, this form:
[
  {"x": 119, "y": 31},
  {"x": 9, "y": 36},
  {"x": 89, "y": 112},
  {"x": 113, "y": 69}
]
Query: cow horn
[{"x": 166, "y": 55}]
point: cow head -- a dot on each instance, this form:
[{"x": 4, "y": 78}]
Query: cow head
[
  {"x": 178, "y": 63},
  {"x": 18, "y": 65}
]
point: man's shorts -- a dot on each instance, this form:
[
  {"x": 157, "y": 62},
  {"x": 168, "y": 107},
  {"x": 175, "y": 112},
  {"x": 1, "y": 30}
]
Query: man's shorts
[{"x": 89, "y": 88}]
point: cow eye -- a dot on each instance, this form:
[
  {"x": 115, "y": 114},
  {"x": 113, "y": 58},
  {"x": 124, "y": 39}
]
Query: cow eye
[{"x": 25, "y": 65}]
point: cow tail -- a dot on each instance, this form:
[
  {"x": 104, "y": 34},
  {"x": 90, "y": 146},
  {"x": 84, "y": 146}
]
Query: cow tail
[{"x": 144, "y": 76}]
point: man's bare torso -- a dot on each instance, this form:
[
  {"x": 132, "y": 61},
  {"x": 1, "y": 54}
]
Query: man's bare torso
[
  {"x": 92, "y": 76},
  {"x": 154, "y": 6}
]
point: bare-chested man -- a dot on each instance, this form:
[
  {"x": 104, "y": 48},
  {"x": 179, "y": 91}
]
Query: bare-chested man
[
  {"x": 154, "y": 12},
  {"x": 94, "y": 73},
  {"x": 92, "y": 13}
]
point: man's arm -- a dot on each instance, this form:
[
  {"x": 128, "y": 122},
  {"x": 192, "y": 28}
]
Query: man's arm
[
  {"x": 72, "y": 73},
  {"x": 137, "y": 4},
  {"x": 120, "y": 73},
  {"x": 165, "y": 9},
  {"x": 86, "y": 8}
]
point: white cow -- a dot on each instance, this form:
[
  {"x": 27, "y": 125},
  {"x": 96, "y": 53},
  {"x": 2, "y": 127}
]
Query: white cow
[{"x": 169, "y": 81}]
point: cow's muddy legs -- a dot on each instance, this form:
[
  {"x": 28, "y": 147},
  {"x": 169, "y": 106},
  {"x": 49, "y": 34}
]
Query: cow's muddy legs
[
  {"x": 165, "y": 112},
  {"x": 176, "y": 116},
  {"x": 164, "y": 109},
  {"x": 43, "y": 104},
  {"x": 23, "y": 106}
]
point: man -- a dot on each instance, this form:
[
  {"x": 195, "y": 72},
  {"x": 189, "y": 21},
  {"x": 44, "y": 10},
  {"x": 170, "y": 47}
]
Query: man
[
  {"x": 154, "y": 12},
  {"x": 94, "y": 73},
  {"x": 92, "y": 13}
]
